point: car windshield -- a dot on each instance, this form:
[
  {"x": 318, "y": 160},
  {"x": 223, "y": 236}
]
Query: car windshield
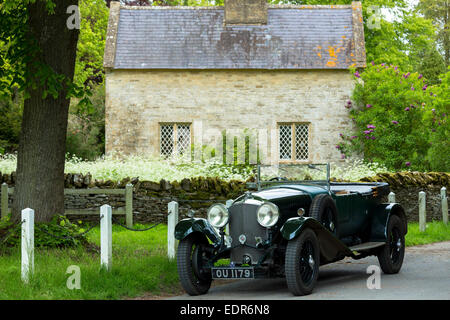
[{"x": 316, "y": 174}]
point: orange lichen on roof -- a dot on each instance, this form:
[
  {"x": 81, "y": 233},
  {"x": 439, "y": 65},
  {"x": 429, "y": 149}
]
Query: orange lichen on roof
[{"x": 333, "y": 52}]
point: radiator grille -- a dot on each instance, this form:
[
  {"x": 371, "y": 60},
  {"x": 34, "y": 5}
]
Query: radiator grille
[{"x": 243, "y": 221}]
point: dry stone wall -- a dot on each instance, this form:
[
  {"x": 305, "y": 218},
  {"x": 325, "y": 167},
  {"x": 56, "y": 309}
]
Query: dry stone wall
[{"x": 150, "y": 199}]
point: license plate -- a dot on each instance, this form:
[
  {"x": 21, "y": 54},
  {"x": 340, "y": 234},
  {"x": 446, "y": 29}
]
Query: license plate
[{"x": 233, "y": 273}]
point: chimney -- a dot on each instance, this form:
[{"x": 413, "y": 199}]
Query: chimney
[{"x": 246, "y": 12}]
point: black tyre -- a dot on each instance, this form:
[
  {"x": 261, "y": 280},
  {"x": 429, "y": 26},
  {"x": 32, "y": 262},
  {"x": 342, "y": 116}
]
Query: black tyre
[
  {"x": 191, "y": 261},
  {"x": 324, "y": 210},
  {"x": 302, "y": 263},
  {"x": 391, "y": 255}
]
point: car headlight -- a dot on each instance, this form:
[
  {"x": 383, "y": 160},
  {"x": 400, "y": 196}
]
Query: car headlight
[
  {"x": 218, "y": 215},
  {"x": 268, "y": 215}
]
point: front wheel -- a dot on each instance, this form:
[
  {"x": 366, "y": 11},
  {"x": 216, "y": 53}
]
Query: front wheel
[
  {"x": 391, "y": 255},
  {"x": 192, "y": 263},
  {"x": 302, "y": 263}
]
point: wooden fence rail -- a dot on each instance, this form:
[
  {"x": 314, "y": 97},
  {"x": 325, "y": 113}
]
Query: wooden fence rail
[{"x": 127, "y": 193}]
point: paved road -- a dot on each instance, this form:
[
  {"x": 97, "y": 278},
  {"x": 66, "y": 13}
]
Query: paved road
[{"x": 425, "y": 275}]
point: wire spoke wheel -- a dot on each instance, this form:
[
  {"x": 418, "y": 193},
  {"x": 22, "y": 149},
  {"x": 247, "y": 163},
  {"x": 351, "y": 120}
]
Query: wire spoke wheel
[
  {"x": 307, "y": 262},
  {"x": 302, "y": 263},
  {"x": 392, "y": 254},
  {"x": 193, "y": 266},
  {"x": 395, "y": 245}
]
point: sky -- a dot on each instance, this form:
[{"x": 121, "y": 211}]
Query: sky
[{"x": 390, "y": 16}]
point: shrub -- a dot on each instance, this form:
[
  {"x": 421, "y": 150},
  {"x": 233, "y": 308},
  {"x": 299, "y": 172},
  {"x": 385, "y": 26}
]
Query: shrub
[
  {"x": 86, "y": 127},
  {"x": 59, "y": 233},
  {"x": 10, "y": 124},
  {"x": 439, "y": 151},
  {"x": 390, "y": 118}
]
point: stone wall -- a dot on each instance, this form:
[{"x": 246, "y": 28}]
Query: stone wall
[
  {"x": 408, "y": 197},
  {"x": 407, "y": 185},
  {"x": 138, "y": 101},
  {"x": 150, "y": 199}
]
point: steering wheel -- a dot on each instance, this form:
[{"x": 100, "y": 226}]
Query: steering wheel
[{"x": 279, "y": 179}]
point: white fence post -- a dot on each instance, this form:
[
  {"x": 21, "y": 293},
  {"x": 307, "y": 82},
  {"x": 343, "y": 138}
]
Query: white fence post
[
  {"x": 391, "y": 197},
  {"x": 27, "y": 244},
  {"x": 422, "y": 211},
  {"x": 172, "y": 220},
  {"x": 444, "y": 205},
  {"x": 129, "y": 205},
  {"x": 106, "y": 236},
  {"x": 4, "y": 200}
]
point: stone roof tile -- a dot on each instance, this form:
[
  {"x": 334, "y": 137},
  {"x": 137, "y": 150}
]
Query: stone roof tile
[{"x": 306, "y": 37}]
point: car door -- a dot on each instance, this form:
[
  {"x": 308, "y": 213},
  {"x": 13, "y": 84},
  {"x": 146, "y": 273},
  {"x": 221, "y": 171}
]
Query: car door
[
  {"x": 352, "y": 213},
  {"x": 344, "y": 207}
]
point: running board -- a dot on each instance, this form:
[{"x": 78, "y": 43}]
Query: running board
[{"x": 367, "y": 246}]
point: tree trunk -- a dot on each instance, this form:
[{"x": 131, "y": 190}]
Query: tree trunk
[{"x": 42, "y": 146}]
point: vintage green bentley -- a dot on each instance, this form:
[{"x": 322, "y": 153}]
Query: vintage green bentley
[{"x": 288, "y": 228}]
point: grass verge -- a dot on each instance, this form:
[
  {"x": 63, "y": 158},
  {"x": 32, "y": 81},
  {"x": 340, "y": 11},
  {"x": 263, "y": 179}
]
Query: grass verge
[
  {"x": 139, "y": 265},
  {"x": 436, "y": 231}
]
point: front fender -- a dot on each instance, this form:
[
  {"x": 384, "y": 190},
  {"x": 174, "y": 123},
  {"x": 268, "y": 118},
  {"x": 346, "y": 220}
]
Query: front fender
[
  {"x": 380, "y": 219},
  {"x": 331, "y": 248},
  {"x": 294, "y": 226},
  {"x": 187, "y": 226}
]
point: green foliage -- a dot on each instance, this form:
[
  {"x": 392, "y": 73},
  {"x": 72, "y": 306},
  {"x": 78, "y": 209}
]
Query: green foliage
[
  {"x": 418, "y": 34},
  {"x": 390, "y": 118},
  {"x": 91, "y": 43},
  {"x": 431, "y": 64},
  {"x": 86, "y": 128},
  {"x": 21, "y": 65},
  {"x": 59, "y": 233},
  {"x": 438, "y": 11},
  {"x": 439, "y": 151},
  {"x": 10, "y": 123}
]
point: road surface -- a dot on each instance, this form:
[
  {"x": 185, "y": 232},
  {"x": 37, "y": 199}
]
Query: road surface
[{"x": 425, "y": 275}]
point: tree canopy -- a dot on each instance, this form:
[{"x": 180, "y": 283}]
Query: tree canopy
[{"x": 44, "y": 65}]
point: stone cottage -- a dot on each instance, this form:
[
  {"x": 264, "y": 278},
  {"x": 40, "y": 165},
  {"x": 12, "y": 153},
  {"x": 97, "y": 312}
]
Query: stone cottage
[{"x": 179, "y": 78}]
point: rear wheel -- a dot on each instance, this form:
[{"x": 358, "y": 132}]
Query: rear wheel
[
  {"x": 324, "y": 210},
  {"x": 192, "y": 263},
  {"x": 391, "y": 255},
  {"x": 302, "y": 263}
]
